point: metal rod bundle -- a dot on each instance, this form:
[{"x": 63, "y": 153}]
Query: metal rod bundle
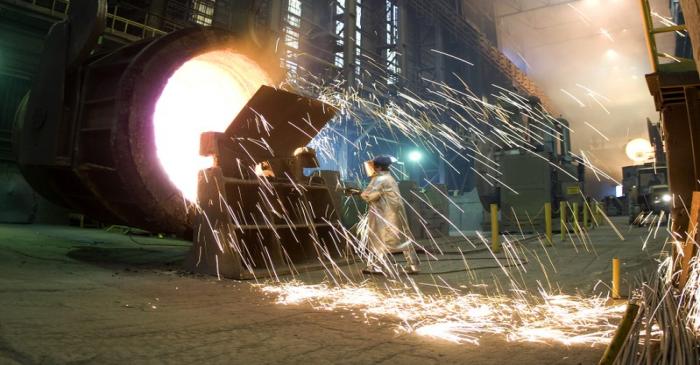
[{"x": 660, "y": 333}]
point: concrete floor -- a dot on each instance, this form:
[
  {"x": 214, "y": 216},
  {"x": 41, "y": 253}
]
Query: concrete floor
[{"x": 74, "y": 296}]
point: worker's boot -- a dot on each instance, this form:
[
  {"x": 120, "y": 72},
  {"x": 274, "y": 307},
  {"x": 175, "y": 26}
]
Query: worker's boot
[
  {"x": 412, "y": 262},
  {"x": 372, "y": 270},
  {"x": 412, "y": 269}
]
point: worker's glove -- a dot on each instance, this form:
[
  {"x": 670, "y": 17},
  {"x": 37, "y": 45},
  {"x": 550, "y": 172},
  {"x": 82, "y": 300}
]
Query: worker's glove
[
  {"x": 352, "y": 191},
  {"x": 371, "y": 197}
]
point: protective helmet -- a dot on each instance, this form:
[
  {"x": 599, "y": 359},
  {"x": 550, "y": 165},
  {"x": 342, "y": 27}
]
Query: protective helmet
[{"x": 383, "y": 161}]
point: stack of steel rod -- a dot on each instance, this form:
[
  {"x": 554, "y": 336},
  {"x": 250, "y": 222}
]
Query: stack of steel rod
[{"x": 661, "y": 332}]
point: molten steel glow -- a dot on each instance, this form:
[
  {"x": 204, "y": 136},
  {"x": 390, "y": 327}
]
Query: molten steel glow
[{"x": 203, "y": 95}]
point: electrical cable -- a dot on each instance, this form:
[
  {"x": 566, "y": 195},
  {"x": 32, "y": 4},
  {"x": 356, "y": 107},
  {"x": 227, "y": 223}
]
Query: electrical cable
[
  {"x": 465, "y": 269},
  {"x": 468, "y": 269}
]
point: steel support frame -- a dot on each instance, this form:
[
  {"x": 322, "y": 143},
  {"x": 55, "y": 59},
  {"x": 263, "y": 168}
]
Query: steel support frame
[
  {"x": 676, "y": 96},
  {"x": 675, "y": 91}
]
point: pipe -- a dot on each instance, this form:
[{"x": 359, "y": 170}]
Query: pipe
[{"x": 565, "y": 142}]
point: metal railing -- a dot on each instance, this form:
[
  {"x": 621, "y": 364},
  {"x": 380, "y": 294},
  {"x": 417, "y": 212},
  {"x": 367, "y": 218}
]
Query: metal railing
[
  {"x": 53, "y": 8},
  {"x": 117, "y": 25},
  {"x": 650, "y": 31},
  {"x": 120, "y": 25}
]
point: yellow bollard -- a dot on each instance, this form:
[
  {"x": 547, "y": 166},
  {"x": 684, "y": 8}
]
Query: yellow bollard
[
  {"x": 585, "y": 214},
  {"x": 562, "y": 219},
  {"x": 616, "y": 278},
  {"x": 495, "y": 241},
  {"x": 548, "y": 221},
  {"x": 575, "y": 212},
  {"x": 594, "y": 216}
]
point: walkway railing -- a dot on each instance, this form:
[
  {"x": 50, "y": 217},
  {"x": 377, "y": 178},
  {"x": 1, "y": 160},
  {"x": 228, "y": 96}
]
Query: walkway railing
[
  {"x": 119, "y": 26},
  {"x": 677, "y": 64}
]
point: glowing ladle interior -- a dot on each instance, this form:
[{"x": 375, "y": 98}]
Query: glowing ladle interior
[{"x": 204, "y": 94}]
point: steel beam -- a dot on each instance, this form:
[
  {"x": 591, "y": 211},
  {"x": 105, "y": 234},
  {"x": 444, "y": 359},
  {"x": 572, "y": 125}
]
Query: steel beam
[{"x": 549, "y": 4}]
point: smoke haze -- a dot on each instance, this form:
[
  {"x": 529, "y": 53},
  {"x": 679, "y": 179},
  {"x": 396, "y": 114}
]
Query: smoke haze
[{"x": 577, "y": 48}]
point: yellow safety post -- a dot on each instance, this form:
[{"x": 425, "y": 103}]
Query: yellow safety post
[
  {"x": 548, "y": 221},
  {"x": 495, "y": 241},
  {"x": 575, "y": 220},
  {"x": 562, "y": 219},
  {"x": 594, "y": 214},
  {"x": 616, "y": 278},
  {"x": 585, "y": 214}
]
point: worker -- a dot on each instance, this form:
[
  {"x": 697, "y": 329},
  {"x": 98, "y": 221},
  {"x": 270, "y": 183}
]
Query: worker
[{"x": 388, "y": 229}]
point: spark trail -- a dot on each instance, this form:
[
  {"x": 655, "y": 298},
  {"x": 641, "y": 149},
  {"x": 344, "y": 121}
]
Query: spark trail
[
  {"x": 449, "y": 121},
  {"x": 464, "y": 318}
]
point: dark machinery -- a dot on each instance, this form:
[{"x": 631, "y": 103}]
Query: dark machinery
[
  {"x": 259, "y": 214},
  {"x": 646, "y": 186},
  {"x": 650, "y": 194},
  {"x": 85, "y": 137},
  {"x": 530, "y": 178}
]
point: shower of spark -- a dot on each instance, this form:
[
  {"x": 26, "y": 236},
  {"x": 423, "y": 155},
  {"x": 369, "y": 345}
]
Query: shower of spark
[
  {"x": 606, "y": 34},
  {"x": 691, "y": 293},
  {"x": 455, "y": 125},
  {"x": 464, "y": 318},
  {"x": 587, "y": 20},
  {"x": 597, "y": 131},
  {"x": 579, "y": 102}
]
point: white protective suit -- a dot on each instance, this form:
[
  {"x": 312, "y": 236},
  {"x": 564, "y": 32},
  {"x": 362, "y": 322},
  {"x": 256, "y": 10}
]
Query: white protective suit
[{"x": 388, "y": 229}]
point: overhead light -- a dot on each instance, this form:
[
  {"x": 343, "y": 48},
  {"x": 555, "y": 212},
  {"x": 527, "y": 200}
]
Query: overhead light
[
  {"x": 666, "y": 198},
  {"x": 639, "y": 150},
  {"x": 415, "y": 156}
]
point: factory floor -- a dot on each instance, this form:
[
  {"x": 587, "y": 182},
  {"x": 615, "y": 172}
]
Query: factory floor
[{"x": 85, "y": 296}]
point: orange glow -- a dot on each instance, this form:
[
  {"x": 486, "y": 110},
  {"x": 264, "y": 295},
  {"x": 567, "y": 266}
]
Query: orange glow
[{"x": 204, "y": 94}]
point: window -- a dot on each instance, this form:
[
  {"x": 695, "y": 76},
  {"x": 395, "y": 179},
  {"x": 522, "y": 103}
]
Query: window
[
  {"x": 358, "y": 37},
  {"x": 294, "y": 7},
  {"x": 392, "y": 40},
  {"x": 202, "y": 11},
  {"x": 339, "y": 56},
  {"x": 291, "y": 35}
]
